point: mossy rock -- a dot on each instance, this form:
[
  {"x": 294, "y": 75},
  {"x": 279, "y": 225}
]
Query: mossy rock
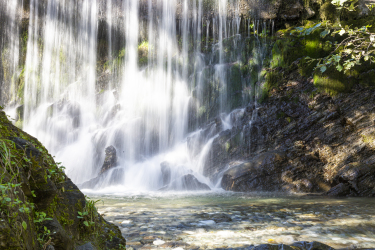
[{"x": 42, "y": 190}]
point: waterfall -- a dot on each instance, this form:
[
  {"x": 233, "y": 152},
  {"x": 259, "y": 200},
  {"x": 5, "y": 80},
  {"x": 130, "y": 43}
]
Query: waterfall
[
  {"x": 9, "y": 46},
  {"x": 141, "y": 76}
]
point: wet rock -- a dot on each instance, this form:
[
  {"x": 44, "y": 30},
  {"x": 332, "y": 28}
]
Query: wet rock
[
  {"x": 110, "y": 160},
  {"x": 106, "y": 176},
  {"x": 185, "y": 183},
  {"x": 114, "y": 176},
  {"x": 339, "y": 190},
  {"x": 20, "y": 112},
  {"x": 261, "y": 173}
]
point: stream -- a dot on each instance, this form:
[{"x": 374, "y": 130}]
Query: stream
[{"x": 226, "y": 220}]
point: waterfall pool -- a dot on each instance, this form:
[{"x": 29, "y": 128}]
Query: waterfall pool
[{"x": 211, "y": 220}]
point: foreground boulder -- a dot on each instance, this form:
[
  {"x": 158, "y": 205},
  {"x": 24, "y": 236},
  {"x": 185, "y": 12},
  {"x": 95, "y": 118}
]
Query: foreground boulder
[
  {"x": 41, "y": 208},
  {"x": 186, "y": 183}
]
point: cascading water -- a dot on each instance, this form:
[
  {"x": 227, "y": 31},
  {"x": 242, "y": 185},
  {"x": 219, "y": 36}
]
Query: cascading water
[
  {"x": 154, "y": 72},
  {"x": 9, "y": 49}
]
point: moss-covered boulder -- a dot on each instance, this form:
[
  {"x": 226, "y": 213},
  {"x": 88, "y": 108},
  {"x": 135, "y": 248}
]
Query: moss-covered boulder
[{"x": 39, "y": 205}]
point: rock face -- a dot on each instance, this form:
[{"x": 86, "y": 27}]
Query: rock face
[
  {"x": 44, "y": 209},
  {"x": 261, "y": 173},
  {"x": 186, "y": 183},
  {"x": 325, "y": 144},
  {"x": 110, "y": 160}
]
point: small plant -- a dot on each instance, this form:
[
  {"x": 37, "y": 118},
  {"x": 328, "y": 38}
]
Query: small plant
[
  {"x": 89, "y": 214},
  {"x": 44, "y": 235}
]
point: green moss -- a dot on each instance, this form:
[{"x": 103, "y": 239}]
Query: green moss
[
  {"x": 369, "y": 139},
  {"x": 333, "y": 81},
  {"x": 143, "y": 49}
]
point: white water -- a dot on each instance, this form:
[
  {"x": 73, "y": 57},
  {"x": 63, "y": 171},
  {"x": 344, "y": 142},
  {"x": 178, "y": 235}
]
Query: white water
[
  {"x": 11, "y": 38},
  {"x": 143, "y": 110}
]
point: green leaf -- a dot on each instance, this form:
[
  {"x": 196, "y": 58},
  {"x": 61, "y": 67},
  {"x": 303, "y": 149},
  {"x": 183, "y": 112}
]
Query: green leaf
[
  {"x": 336, "y": 58},
  {"x": 323, "y": 69},
  {"x": 86, "y": 223},
  {"x": 339, "y": 68},
  {"x": 342, "y": 32},
  {"x": 24, "y": 225},
  {"x": 325, "y": 33}
]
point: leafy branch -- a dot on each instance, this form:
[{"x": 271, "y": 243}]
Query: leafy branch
[{"x": 358, "y": 46}]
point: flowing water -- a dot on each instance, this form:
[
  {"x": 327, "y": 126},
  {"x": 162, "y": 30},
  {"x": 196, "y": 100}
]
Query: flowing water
[
  {"x": 138, "y": 75},
  {"x": 236, "y": 220}
]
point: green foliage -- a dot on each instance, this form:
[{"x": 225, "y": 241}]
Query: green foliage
[
  {"x": 88, "y": 216},
  {"x": 357, "y": 47},
  {"x": 43, "y": 234}
]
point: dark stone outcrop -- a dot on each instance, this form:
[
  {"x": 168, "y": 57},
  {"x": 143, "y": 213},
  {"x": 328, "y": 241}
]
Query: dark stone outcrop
[
  {"x": 186, "y": 183},
  {"x": 261, "y": 173},
  {"x": 328, "y": 142},
  {"x": 110, "y": 160}
]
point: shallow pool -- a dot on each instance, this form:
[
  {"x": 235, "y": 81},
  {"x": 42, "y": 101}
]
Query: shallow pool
[{"x": 212, "y": 220}]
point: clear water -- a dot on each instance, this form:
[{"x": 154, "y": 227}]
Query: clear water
[{"x": 256, "y": 218}]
